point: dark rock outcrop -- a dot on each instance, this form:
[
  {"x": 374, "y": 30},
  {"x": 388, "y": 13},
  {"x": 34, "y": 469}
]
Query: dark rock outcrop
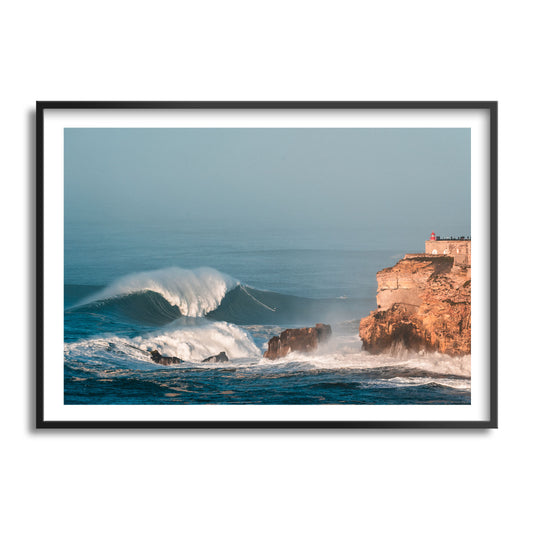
[
  {"x": 163, "y": 360},
  {"x": 219, "y": 358},
  {"x": 167, "y": 360},
  {"x": 297, "y": 340},
  {"x": 423, "y": 305}
]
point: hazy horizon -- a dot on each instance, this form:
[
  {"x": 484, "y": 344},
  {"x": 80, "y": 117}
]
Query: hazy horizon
[{"x": 372, "y": 188}]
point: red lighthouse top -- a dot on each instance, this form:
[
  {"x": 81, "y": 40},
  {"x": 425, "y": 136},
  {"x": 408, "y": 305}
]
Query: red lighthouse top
[{"x": 432, "y": 238}]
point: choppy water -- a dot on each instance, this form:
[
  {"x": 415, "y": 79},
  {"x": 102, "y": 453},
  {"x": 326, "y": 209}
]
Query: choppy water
[{"x": 192, "y": 297}]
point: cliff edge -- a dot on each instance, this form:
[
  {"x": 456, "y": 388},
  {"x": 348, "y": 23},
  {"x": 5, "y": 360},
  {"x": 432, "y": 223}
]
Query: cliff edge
[{"x": 423, "y": 304}]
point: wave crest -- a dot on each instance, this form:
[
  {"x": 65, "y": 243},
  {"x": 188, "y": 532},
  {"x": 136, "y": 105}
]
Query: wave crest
[{"x": 195, "y": 292}]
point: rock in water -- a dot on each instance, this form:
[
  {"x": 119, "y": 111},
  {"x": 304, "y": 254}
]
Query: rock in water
[
  {"x": 220, "y": 358},
  {"x": 297, "y": 340},
  {"x": 423, "y": 304},
  {"x": 162, "y": 360}
]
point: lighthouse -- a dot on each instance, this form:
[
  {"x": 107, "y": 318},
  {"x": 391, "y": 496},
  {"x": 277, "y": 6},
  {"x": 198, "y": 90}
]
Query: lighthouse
[{"x": 432, "y": 238}]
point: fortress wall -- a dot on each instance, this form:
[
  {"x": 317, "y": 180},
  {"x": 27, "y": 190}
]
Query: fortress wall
[{"x": 460, "y": 250}]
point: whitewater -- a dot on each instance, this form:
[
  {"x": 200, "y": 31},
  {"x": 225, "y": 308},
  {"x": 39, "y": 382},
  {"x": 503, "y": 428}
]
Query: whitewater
[{"x": 194, "y": 313}]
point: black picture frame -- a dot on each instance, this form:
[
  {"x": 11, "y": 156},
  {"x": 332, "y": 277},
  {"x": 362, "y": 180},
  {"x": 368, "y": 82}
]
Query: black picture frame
[{"x": 43, "y": 106}]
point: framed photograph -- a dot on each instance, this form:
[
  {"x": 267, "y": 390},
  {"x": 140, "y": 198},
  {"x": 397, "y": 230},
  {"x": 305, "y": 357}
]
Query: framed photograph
[{"x": 266, "y": 265}]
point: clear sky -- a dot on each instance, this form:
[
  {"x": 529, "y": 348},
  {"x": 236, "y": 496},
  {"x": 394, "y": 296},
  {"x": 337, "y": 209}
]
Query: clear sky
[{"x": 395, "y": 185}]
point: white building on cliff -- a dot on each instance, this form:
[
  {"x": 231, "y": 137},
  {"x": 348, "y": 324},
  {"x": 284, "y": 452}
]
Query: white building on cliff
[{"x": 458, "y": 247}]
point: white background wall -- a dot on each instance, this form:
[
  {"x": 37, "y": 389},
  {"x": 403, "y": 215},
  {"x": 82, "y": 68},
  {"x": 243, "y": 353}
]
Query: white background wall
[{"x": 264, "y": 480}]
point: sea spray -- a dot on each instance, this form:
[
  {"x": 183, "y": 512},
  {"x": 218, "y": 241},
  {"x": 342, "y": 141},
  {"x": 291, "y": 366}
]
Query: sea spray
[
  {"x": 189, "y": 339},
  {"x": 345, "y": 352},
  {"x": 195, "y": 292}
]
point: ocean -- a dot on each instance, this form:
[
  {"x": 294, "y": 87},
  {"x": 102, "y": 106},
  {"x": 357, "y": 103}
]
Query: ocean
[{"x": 193, "y": 291}]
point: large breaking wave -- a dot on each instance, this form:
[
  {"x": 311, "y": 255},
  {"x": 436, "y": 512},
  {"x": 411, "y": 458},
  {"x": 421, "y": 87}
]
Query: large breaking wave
[
  {"x": 193, "y": 292},
  {"x": 160, "y": 296}
]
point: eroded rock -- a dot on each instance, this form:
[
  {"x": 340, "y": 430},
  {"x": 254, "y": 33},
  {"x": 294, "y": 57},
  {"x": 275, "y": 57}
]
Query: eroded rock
[
  {"x": 297, "y": 340},
  {"x": 423, "y": 304}
]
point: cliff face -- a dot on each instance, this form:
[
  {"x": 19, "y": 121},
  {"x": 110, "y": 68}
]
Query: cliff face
[{"x": 423, "y": 304}]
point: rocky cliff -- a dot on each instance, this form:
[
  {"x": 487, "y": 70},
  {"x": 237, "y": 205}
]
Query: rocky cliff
[{"x": 423, "y": 304}]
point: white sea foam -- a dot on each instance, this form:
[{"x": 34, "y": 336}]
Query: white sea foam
[
  {"x": 203, "y": 338},
  {"x": 191, "y": 343},
  {"x": 196, "y": 292},
  {"x": 415, "y": 381},
  {"x": 345, "y": 352},
  {"x": 194, "y": 344}
]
